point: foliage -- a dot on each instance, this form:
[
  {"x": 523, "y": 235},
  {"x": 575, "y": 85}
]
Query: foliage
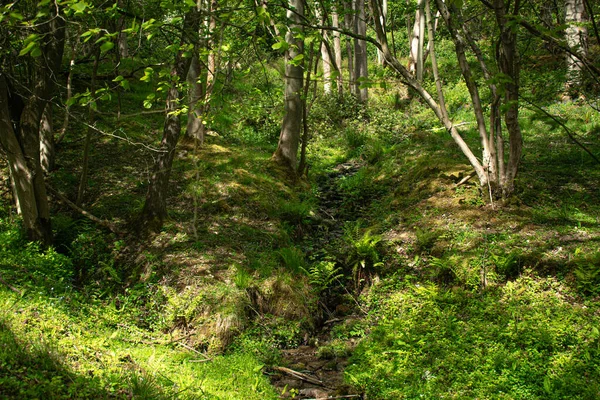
[
  {"x": 322, "y": 275},
  {"x": 434, "y": 342},
  {"x": 292, "y": 258},
  {"x": 587, "y": 272}
]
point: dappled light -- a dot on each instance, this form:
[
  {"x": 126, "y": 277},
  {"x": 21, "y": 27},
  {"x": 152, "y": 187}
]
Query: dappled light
[{"x": 259, "y": 200}]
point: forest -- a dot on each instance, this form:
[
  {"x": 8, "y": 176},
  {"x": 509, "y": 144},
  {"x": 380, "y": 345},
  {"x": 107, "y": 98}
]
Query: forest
[{"x": 284, "y": 199}]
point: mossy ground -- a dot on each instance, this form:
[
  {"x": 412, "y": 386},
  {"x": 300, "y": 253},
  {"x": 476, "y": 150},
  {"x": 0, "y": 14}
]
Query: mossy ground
[{"x": 435, "y": 291}]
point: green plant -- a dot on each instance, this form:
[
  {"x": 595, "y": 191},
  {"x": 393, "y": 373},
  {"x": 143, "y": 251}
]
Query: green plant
[
  {"x": 292, "y": 258},
  {"x": 363, "y": 258},
  {"x": 587, "y": 272},
  {"x": 323, "y": 274},
  {"x": 334, "y": 349},
  {"x": 425, "y": 239},
  {"x": 507, "y": 265}
]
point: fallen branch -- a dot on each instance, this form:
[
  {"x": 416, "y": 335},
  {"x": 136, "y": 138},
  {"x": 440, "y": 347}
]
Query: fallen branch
[
  {"x": 102, "y": 222},
  {"x": 299, "y": 375},
  {"x": 465, "y": 179},
  {"x": 8, "y": 285}
]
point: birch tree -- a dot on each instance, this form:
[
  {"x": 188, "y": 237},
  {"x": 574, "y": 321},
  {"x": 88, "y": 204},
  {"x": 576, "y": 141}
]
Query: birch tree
[{"x": 576, "y": 38}]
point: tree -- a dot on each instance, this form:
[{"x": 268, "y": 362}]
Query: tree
[
  {"x": 490, "y": 169},
  {"x": 155, "y": 207},
  {"x": 26, "y": 88},
  {"x": 289, "y": 137},
  {"x": 576, "y": 38},
  {"x": 201, "y": 80},
  {"x": 360, "y": 51}
]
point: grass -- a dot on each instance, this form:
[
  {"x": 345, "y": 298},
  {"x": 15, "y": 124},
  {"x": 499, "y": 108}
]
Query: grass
[
  {"x": 525, "y": 339},
  {"x": 440, "y": 294}
]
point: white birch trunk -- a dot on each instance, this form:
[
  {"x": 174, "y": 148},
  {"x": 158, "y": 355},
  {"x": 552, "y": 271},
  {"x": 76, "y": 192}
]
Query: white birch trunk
[{"x": 576, "y": 37}]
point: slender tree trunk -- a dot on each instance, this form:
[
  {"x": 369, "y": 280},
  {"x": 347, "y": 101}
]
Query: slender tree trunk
[
  {"x": 508, "y": 64},
  {"x": 360, "y": 53},
  {"x": 383, "y": 18},
  {"x": 302, "y": 167},
  {"x": 122, "y": 37},
  {"x": 337, "y": 50},
  {"x": 155, "y": 207},
  {"x": 65, "y": 124},
  {"x": 576, "y": 37},
  {"x": 21, "y": 173},
  {"x": 23, "y": 146},
  {"x": 326, "y": 65},
  {"x": 326, "y": 56},
  {"x": 88, "y": 135},
  {"x": 417, "y": 40},
  {"x": 349, "y": 25},
  {"x": 289, "y": 138},
  {"x": 437, "y": 108},
  {"x": 452, "y": 18},
  {"x": 195, "y": 127},
  {"x": 47, "y": 150},
  {"x": 201, "y": 86}
]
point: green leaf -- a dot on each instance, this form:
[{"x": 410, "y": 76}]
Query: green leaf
[
  {"x": 27, "y": 48},
  {"x": 79, "y": 7},
  {"x": 36, "y": 52},
  {"x": 106, "y": 46}
]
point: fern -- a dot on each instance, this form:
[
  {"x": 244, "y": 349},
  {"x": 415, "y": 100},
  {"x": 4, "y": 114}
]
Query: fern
[{"x": 323, "y": 275}]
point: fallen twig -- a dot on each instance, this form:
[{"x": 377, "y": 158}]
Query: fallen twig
[
  {"x": 102, "y": 222},
  {"x": 299, "y": 375},
  {"x": 465, "y": 179},
  {"x": 8, "y": 285}
]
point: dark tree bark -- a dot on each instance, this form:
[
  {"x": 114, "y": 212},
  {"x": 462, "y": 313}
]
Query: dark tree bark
[
  {"x": 286, "y": 154},
  {"x": 47, "y": 149},
  {"x": 155, "y": 207},
  {"x": 20, "y": 136}
]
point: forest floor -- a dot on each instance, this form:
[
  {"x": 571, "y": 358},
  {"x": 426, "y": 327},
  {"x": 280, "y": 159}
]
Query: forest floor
[{"x": 377, "y": 275}]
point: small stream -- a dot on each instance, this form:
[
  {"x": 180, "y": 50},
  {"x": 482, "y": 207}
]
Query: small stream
[{"x": 309, "y": 375}]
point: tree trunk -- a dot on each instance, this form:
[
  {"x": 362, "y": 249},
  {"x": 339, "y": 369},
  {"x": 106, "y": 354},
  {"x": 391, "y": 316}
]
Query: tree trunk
[
  {"x": 326, "y": 65},
  {"x": 576, "y": 37},
  {"x": 23, "y": 145},
  {"x": 360, "y": 53},
  {"x": 337, "y": 50},
  {"x": 289, "y": 138},
  {"x": 155, "y": 207},
  {"x": 122, "y": 37},
  {"x": 36, "y": 225},
  {"x": 47, "y": 151},
  {"x": 195, "y": 127},
  {"x": 452, "y": 19},
  {"x": 508, "y": 64},
  {"x": 65, "y": 125},
  {"x": 88, "y": 135},
  {"x": 417, "y": 40},
  {"x": 437, "y": 108},
  {"x": 201, "y": 86},
  {"x": 349, "y": 25},
  {"x": 383, "y": 19},
  {"x": 303, "y": 167}
]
